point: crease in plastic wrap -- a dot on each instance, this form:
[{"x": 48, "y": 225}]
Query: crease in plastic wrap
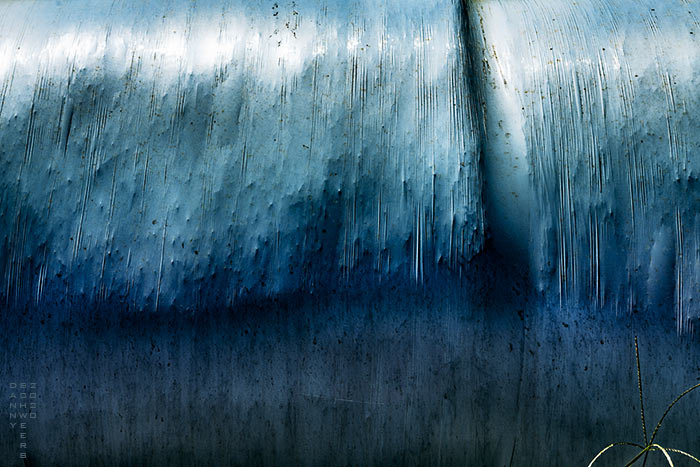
[
  {"x": 193, "y": 153},
  {"x": 185, "y": 154},
  {"x": 601, "y": 99}
]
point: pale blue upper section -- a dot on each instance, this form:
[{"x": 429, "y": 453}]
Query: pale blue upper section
[{"x": 190, "y": 153}]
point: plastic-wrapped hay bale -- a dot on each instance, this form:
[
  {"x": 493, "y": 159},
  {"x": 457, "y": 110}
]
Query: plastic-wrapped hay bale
[
  {"x": 591, "y": 112},
  {"x": 181, "y": 153}
]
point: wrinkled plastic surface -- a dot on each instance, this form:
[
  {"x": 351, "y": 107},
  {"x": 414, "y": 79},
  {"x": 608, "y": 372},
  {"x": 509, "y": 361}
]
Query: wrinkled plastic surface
[
  {"x": 599, "y": 97},
  {"x": 188, "y": 153},
  {"x": 361, "y": 186}
]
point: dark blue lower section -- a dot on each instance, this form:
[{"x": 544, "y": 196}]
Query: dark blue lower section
[{"x": 458, "y": 371}]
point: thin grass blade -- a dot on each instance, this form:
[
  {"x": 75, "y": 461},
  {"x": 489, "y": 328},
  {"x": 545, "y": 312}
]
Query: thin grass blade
[
  {"x": 641, "y": 394},
  {"x": 663, "y": 450},
  {"x": 668, "y": 409},
  {"x": 611, "y": 446},
  {"x": 638, "y": 456},
  {"x": 678, "y": 451}
]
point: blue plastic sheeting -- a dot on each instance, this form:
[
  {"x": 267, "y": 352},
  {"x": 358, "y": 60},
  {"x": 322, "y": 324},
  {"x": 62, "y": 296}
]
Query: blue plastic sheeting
[
  {"x": 184, "y": 154},
  {"x": 592, "y": 116},
  {"x": 348, "y": 233}
]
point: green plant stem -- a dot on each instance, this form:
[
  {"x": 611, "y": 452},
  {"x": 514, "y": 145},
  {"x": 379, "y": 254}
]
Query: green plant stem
[
  {"x": 611, "y": 446},
  {"x": 684, "y": 454},
  {"x": 668, "y": 409},
  {"x": 649, "y": 443},
  {"x": 641, "y": 398},
  {"x": 665, "y": 453},
  {"x": 639, "y": 454},
  {"x": 641, "y": 395}
]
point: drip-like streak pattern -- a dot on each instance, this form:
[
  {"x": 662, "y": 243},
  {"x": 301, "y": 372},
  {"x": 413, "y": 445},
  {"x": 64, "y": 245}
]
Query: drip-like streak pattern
[
  {"x": 186, "y": 154},
  {"x": 600, "y": 98}
]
